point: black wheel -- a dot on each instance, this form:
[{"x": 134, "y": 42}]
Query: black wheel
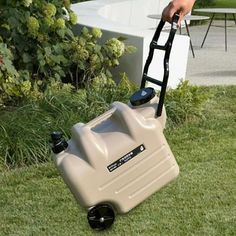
[{"x": 101, "y": 217}]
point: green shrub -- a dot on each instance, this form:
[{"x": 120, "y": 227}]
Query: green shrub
[
  {"x": 77, "y": 1},
  {"x": 39, "y": 46},
  {"x": 185, "y": 103},
  {"x": 25, "y": 131},
  {"x": 12, "y": 83}
]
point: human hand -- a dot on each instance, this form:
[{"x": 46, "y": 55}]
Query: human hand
[{"x": 182, "y": 7}]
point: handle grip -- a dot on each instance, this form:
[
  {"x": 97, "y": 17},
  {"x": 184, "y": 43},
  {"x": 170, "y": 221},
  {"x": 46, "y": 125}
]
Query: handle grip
[
  {"x": 175, "y": 20},
  {"x": 91, "y": 124}
]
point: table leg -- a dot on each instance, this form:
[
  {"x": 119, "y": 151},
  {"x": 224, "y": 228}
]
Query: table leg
[
  {"x": 226, "y": 32},
  {"x": 213, "y": 15},
  {"x": 191, "y": 45},
  {"x": 234, "y": 18}
]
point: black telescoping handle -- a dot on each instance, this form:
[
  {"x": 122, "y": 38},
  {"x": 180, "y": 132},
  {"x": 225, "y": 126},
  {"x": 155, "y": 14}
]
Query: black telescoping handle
[{"x": 167, "y": 48}]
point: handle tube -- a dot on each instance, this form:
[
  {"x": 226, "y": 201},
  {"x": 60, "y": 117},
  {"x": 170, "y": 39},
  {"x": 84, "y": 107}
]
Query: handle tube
[
  {"x": 167, "y": 48},
  {"x": 174, "y": 26}
]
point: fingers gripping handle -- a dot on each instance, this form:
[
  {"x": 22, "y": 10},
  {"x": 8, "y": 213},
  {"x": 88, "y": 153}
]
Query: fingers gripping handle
[
  {"x": 175, "y": 21},
  {"x": 174, "y": 26}
]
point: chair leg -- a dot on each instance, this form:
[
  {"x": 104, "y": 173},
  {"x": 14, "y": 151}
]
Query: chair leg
[
  {"x": 225, "y": 32},
  {"x": 191, "y": 45},
  {"x": 213, "y": 15},
  {"x": 234, "y": 18}
]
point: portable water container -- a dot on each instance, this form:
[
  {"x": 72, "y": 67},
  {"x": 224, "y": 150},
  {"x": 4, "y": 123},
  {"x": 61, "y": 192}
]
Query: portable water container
[{"x": 117, "y": 160}]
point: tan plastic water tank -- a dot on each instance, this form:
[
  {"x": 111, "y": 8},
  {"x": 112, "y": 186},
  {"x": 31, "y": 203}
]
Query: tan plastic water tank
[{"x": 121, "y": 157}]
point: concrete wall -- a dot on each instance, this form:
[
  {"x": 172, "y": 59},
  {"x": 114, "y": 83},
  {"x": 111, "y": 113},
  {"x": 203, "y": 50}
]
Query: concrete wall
[{"x": 128, "y": 18}]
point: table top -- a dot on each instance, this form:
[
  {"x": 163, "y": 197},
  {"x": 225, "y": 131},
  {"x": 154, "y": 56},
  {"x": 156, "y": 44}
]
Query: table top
[
  {"x": 187, "y": 17},
  {"x": 217, "y": 10}
]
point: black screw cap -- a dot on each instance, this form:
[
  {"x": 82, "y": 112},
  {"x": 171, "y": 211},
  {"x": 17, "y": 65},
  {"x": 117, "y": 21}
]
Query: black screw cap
[
  {"x": 142, "y": 96},
  {"x": 59, "y": 144}
]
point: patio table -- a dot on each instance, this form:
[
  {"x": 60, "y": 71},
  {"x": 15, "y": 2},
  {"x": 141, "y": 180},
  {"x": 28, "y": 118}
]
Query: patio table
[
  {"x": 214, "y": 11},
  {"x": 185, "y": 19}
]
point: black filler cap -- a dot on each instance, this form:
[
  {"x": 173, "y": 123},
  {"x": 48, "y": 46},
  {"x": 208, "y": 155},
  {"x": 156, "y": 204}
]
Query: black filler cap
[
  {"x": 142, "y": 96},
  {"x": 59, "y": 144}
]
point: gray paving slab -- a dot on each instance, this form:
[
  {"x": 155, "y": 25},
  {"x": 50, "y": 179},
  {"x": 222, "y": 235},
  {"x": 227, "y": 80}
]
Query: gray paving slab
[{"x": 212, "y": 65}]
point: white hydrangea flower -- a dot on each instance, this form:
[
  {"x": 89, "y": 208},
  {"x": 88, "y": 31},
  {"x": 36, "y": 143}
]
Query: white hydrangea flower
[
  {"x": 27, "y": 2},
  {"x": 116, "y": 47}
]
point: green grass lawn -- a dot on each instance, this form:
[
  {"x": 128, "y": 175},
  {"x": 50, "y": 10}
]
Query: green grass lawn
[
  {"x": 219, "y": 4},
  {"x": 35, "y": 201},
  {"x": 225, "y": 3}
]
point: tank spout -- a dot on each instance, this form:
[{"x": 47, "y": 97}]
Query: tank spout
[{"x": 59, "y": 144}]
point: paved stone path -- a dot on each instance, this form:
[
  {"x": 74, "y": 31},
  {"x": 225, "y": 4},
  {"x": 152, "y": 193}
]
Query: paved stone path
[{"x": 212, "y": 65}]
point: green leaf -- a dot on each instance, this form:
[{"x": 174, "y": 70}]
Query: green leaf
[
  {"x": 122, "y": 38},
  {"x": 69, "y": 33},
  {"x": 26, "y": 58},
  {"x": 130, "y": 49},
  {"x": 42, "y": 63},
  {"x": 48, "y": 51},
  {"x": 61, "y": 33},
  {"x": 97, "y": 48},
  {"x": 13, "y": 21},
  {"x": 7, "y": 64},
  {"x": 57, "y": 48}
]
